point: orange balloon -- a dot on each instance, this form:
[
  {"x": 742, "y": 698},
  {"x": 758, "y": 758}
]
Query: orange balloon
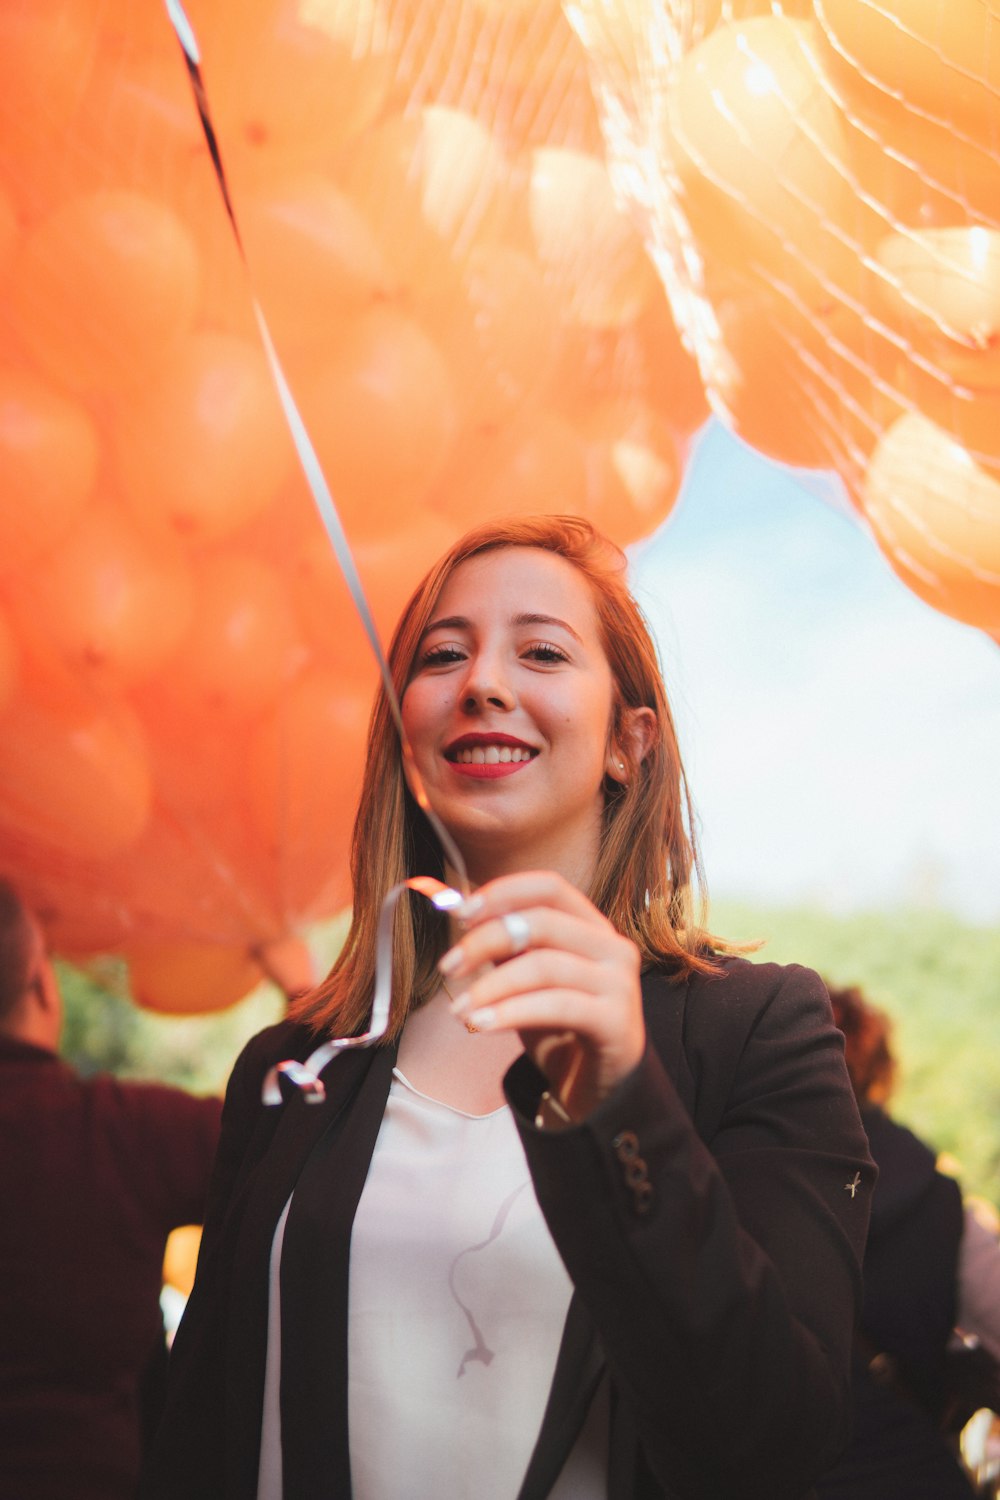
[
  {"x": 834, "y": 372},
  {"x": 912, "y": 55},
  {"x": 8, "y": 231},
  {"x": 191, "y": 876},
  {"x": 644, "y": 360},
  {"x": 73, "y": 776},
  {"x": 242, "y": 644},
  {"x": 518, "y": 65},
  {"x": 941, "y": 289},
  {"x": 45, "y": 50},
  {"x": 205, "y": 446},
  {"x": 314, "y": 259},
  {"x": 633, "y": 469},
  {"x": 180, "y": 1259},
  {"x": 390, "y": 565},
  {"x": 542, "y": 91},
  {"x": 909, "y": 171},
  {"x": 80, "y": 916},
  {"x": 189, "y": 978},
  {"x": 591, "y": 254},
  {"x": 48, "y": 465},
  {"x": 102, "y": 289},
  {"x": 197, "y": 761},
  {"x": 278, "y": 531},
  {"x": 661, "y": 367},
  {"x": 8, "y": 664},
  {"x": 501, "y": 337},
  {"x": 935, "y": 512},
  {"x": 383, "y": 415},
  {"x": 758, "y": 147},
  {"x": 289, "y": 83},
  {"x": 431, "y": 184},
  {"x": 304, "y": 765},
  {"x": 112, "y": 604},
  {"x": 535, "y": 463},
  {"x": 133, "y": 127}
]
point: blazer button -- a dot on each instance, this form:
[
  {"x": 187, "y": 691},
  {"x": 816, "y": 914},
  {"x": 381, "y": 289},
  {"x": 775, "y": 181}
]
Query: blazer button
[
  {"x": 626, "y": 1145},
  {"x": 636, "y": 1172},
  {"x": 642, "y": 1197}
]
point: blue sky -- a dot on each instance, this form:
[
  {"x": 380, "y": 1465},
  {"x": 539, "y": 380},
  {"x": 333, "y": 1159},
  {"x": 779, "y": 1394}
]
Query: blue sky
[{"x": 841, "y": 738}]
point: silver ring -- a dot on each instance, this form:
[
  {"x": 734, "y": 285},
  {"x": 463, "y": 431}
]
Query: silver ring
[{"x": 518, "y": 930}]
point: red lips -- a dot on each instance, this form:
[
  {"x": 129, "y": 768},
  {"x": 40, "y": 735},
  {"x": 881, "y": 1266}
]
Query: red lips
[{"x": 487, "y": 772}]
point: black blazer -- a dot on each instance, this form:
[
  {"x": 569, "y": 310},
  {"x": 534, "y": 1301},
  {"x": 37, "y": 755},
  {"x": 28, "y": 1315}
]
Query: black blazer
[{"x": 711, "y": 1213}]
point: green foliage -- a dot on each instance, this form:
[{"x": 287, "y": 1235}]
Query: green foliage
[
  {"x": 937, "y": 978},
  {"x": 104, "y": 1032}
]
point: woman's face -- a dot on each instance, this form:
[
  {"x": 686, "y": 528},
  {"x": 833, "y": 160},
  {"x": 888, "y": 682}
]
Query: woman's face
[{"x": 508, "y": 711}]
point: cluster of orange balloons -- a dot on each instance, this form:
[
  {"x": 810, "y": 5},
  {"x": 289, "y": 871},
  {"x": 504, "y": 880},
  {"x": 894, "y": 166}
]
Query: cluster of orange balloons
[
  {"x": 470, "y": 324},
  {"x": 819, "y": 181}
]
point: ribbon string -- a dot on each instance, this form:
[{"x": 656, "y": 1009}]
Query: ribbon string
[
  {"x": 306, "y": 1076},
  {"x": 315, "y": 478}
]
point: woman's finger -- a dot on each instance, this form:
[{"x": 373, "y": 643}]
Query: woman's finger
[
  {"x": 530, "y": 888},
  {"x": 544, "y": 969},
  {"x": 552, "y": 1010},
  {"x": 499, "y": 939}
]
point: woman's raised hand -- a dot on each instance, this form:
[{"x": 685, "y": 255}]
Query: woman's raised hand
[{"x": 561, "y": 976}]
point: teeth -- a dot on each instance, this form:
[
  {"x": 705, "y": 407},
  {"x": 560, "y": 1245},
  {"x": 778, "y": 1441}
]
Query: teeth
[{"x": 491, "y": 755}]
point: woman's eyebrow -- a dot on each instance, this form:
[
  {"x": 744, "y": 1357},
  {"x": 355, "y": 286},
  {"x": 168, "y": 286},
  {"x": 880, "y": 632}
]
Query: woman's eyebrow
[
  {"x": 531, "y": 619},
  {"x": 460, "y": 622},
  {"x": 447, "y": 622}
]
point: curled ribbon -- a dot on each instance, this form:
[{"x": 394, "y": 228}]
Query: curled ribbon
[{"x": 306, "y": 1075}]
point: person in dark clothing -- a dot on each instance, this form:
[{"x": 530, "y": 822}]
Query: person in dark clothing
[
  {"x": 588, "y": 1223},
  {"x": 924, "y": 1272},
  {"x": 94, "y": 1174}
]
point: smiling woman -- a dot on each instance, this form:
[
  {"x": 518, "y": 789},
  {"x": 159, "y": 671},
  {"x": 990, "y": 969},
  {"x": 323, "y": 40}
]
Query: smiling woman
[
  {"x": 625, "y": 1201},
  {"x": 491, "y": 677}
]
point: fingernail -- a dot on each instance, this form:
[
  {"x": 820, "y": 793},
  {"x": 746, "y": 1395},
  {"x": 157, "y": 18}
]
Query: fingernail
[
  {"x": 450, "y": 961},
  {"x": 469, "y": 908},
  {"x": 484, "y": 1019}
]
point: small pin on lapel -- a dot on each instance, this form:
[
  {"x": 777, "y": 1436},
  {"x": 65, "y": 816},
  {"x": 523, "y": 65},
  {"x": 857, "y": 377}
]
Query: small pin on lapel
[{"x": 852, "y": 1186}]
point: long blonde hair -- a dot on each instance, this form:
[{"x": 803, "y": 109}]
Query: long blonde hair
[{"x": 648, "y": 867}]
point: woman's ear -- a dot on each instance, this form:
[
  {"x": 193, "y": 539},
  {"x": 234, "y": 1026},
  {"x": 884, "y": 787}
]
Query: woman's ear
[{"x": 635, "y": 736}]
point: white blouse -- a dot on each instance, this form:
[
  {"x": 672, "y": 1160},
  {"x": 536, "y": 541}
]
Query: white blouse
[{"x": 457, "y": 1301}]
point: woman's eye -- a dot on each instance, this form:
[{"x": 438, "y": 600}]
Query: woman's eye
[
  {"x": 544, "y": 651},
  {"x": 441, "y": 656}
]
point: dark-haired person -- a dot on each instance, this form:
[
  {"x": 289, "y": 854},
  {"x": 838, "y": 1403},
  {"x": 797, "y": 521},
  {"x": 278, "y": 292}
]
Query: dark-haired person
[
  {"x": 94, "y": 1174},
  {"x": 929, "y": 1266},
  {"x": 589, "y": 1224}
]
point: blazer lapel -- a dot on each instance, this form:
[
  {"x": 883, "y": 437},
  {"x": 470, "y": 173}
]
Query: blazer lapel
[{"x": 301, "y": 1130}]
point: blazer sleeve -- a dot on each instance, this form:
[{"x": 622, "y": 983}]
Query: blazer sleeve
[{"x": 721, "y": 1268}]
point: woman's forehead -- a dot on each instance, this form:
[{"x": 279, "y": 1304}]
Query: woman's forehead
[{"x": 526, "y": 579}]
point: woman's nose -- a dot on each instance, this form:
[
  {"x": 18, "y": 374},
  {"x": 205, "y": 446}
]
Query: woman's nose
[{"x": 487, "y": 687}]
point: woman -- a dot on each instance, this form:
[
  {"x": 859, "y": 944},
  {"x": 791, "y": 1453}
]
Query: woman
[{"x": 590, "y": 1223}]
